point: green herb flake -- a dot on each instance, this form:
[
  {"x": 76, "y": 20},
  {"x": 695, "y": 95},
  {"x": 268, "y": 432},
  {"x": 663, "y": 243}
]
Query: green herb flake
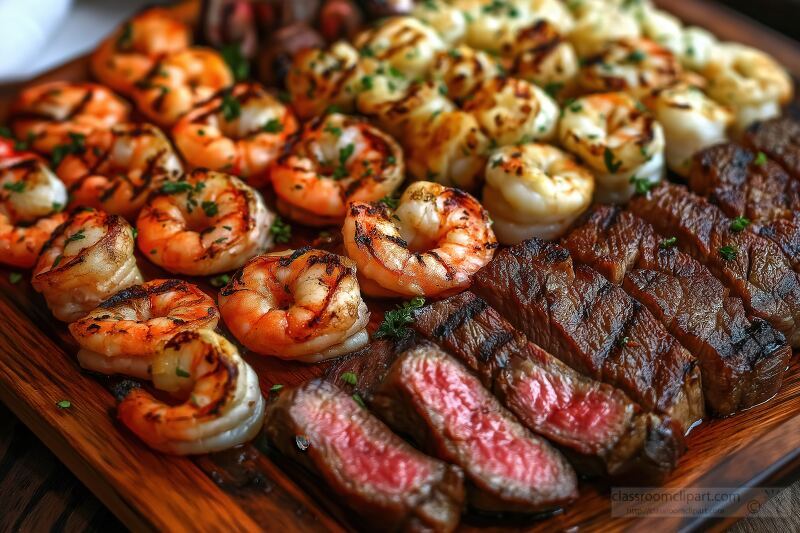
[
  {"x": 125, "y": 39},
  {"x": 273, "y": 125},
  {"x": 668, "y": 243},
  {"x": 280, "y": 230},
  {"x": 366, "y": 82},
  {"x": 358, "y": 400},
  {"x": 210, "y": 208},
  {"x": 15, "y": 277},
  {"x": 181, "y": 373},
  {"x": 63, "y": 404},
  {"x": 17, "y": 186},
  {"x": 553, "y": 88},
  {"x": 230, "y": 107},
  {"x": 333, "y": 130},
  {"x": 77, "y": 236},
  {"x": 738, "y": 224},
  {"x": 637, "y": 56},
  {"x": 237, "y": 62},
  {"x": 641, "y": 186},
  {"x": 611, "y": 164},
  {"x": 728, "y": 253},
  {"x": 276, "y": 387},
  {"x": 76, "y": 145},
  {"x": 390, "y": 201},
  {"x": 761, "y": 159},
  {"x": 395, "y": 323},
  {"x": 350, "y": 378},
  {"x": 174, "y": 187},
  {"x": 219, "y": 281}
]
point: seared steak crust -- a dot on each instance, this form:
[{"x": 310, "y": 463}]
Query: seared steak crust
[
  {"x": 753, "y": 268},
  {"x": 430, "y": 396},
  {"x": 391, "y": 485},
  {"x": 593, "y": 326},
  {"x": 779, "y": 138},
  {"x": 600, "y": 428},
  {"x": 742, "y": 362}
]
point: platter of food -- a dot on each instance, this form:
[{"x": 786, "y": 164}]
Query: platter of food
[{"x": 467, "y": 266}]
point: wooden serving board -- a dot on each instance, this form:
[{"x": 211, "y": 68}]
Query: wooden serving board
[{"x": 252, "y": 488}]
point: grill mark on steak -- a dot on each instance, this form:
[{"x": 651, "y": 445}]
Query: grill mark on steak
[
  {"x": 779, "y": 138},
  {"x": 544, "y": 299},
  {"x": 598, "y": 426},
  {"x": 759, "y": 273},
  {"x": 391, "y": 485},
  {"x": 742, "y": 362},
  {"x": 431, "y": 397}
]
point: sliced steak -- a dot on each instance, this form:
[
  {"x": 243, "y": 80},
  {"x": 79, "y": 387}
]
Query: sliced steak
[
  {"x": 391, "y": 485},
  {"x": 741, "y": 361},
  {"x": 779, "y": 138},
  {"x": 431, "y": 397},
  {"x": 744, "y": 184},
  {"x": 593, "y": 326},
  {"x": 753, "y": 268},
  {"x": 599, "y": 427}
]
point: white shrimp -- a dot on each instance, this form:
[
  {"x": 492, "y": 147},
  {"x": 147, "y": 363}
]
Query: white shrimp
[
  {"x": 691, "y": 121},
  {"x": 699, "y": 46},
  {"x": 664, "y": 28},
  {"x": 462, "y": 69},
  {"x": 535, "y": 190},
  {"x": 448, "y": 21},
  {"x": 404, "y": 43},
  {"x": 419, "y": 102},
  {"x": 598, "y": 23},
  {"x": 542, "y": 55},
  {"x": 618, "y": 138}
]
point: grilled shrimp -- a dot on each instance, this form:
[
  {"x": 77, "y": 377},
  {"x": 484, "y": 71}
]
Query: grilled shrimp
[
  {"x": 205, "y": 223},
  {"x": 618, "y": 139},
  {"x": 462, "y": 69},
  {"x": 336, "y": 161},
  {"x": 491, "y": 24},
  {"x": 542, "y": 55},
  {"x": 297, "y": 304},
  {"x": 115, "y": 169},
  {"x": 395, "y": 113},
  {"x": 222, "y": 402},
  {"x": 133, "y": 49},
  {"x": 749, "y": 81},
  {"x": 598, "y": 23},
  {"x": 87, "y": 259},
  {"x": 319, "y": 79},
  {"x": 179, "y": 82},
  {"x": 31, "y": 198},
  {"x": 535, "y": 190},
  {"x": 123, "y": 334},
  {"x": 635, "y": 66},
  {"x": 699, "y": 46},
  {"x": 448, "y": 21},
  {"x": 404, "y": 43},
  {"x": 430, "y": 245},
  {"x": 691, "y": 121},
  {"x": 241, "y": 132},
  {"x": 61, "y": 113},
  {"x": 511, "y": 111},
  {"x": 663, "y": 28}
]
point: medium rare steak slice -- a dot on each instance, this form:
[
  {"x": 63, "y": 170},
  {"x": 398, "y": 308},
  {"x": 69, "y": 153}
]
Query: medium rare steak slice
[
  {"x": 594, "y": 326},
  {"x": 779, "y": 138},
  {"x": 741, "y": 362},
  {"x": 753, "y": 268},
  {"x": 391, "y": 485},
  {"x": 430, "y": 396},
  {"x": 744, "y": 184},
  {"x": 600, "y": 428}
]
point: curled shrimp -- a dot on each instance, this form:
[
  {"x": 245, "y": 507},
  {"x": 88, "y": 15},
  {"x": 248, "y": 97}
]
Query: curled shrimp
[
  {"x": 54, "y": 114},
  {"x": 128, "y": 54},
  {"x": 298, "y": 304},
  {"x": 635, "y": 66},
  {"x": 241, "y": 132},
  {"x": 699, "y": 46},
  {"x": 221, "y": 407},
  {"x": 31, "y": 200},
  {"x": 336, "y": 161},
  {"x": 511, "y": 110},
  {"x": 691, "y": 121},
  {"x": 663, "y": 28},
  {"x": 598, "y": 23},
  {"x": 448, "y": 21},
  {"x": 87, "y": 259},
  {"x": 122, "y": 335},
  {"x": 535, "y": 190},
  {"x": 204, "y": 223},
  {"x": 430, "y": 245},
  {"x": 462, "y": 69},
  {"x": 180, "y": 81},
  {"x": 542, "y": 55},
  {"x": 618, "y": 138},
  {"x": 749, "y": 81},
  {"x": 319, "y": 79},
  {"x": 402, "y": 42},
  {"x": 117, "y": 168}
]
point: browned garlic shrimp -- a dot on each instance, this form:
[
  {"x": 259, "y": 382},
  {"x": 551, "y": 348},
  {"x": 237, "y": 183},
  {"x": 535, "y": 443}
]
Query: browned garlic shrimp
[
  {"x": 205, "y": 223},
  {"x": 699, "y": 46},
  {"x": 87, "y": 259},
  {"x": 397, "y": 112},
  {"x": 298, "y": 304},
  {"x": 635, "y": 66},
  {"x": 511, "y": 111},
  {"x": 115, "y": 169},
  {"x": 535, "y": 190},
  {"x": 615, "y": 136},
  {"x": 430, "y": 245},
  {"x": 123, "y": 334},
  {"x": 691, "y": 121},
  {"x": 448, "y": 21},
  {"x": 241, "y": 132},
  {"x": 404, "y": 43},
  {"x": 542, "y": 55},
  {"x": 319, "y": 79},
  {"x": 462, "y": 69},
  {"x": 751, "y": 82},
  {"x": 222, "y": 402},
  {"x": 598, "y": 23},
  {"x": 336, "y": 161},
  {"x": 662, "y": 28}
]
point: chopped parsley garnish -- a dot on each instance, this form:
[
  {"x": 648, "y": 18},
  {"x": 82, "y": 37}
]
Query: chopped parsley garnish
[
  {"x": 125, "y": 39},
  {"x": 210, "y": 208},
  {"x": 17, "y": 186},
  {"x": 273, "y": 125},
  {"x": 333, "y": 130},
  {"x": 280, "y": 230},
  {"x": 358, "y": 400},
  {"x": 350, "y": 378},
  {"x": 345, "y": 153},
  {"x": 728, "y": 253},
  {"x": 668, "y": 243},
  {"x": 76, "y": 145},
  {"x": 276, "y": 387},
  {"x": 611, "y": 164},
  {"x": 366, "y": 82},
  {"x": 553, "y": 88},
  {"x": 637, "y": 56},
  {"x": 390, "y": 201},
  {"x": 496, "y": 162},
  {"x": 181, "y": 373},
  {"x": 239, "y": 65},
  {"x": 57, "y": 206},
  {"x": 395, "y": 323},
  {"x": 230, "y": 107},
  {"x": 173, "y": 187},
  {"x": 641, "y": 185},
  {"x": 134, "y": 233},
  {"x": 219, "y": 281},
  {"x": 761, "y": 159},
  {"x": 15, "y": 277},
  {"x": 78, "y": 235},
  {"x": 443, "y": 89},
  {"x": 391, "y": 160},
  {"x": 63, "y": 404},
  {"x": 57, "y": 260},
  {"x": 739, "y": 224}
]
